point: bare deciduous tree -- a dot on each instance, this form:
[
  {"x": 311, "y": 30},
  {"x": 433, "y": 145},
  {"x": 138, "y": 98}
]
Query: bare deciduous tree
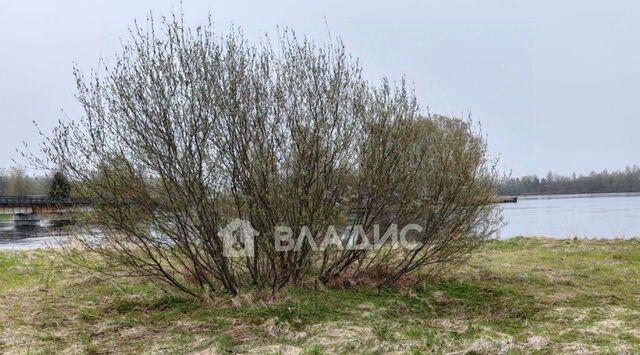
[{"x": 189, "y": 130}]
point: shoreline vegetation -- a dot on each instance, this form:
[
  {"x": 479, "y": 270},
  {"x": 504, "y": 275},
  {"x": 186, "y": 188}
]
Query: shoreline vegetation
[
  {"x": 620, "y": 181},
  {"x": 517, "y": 295},
  {"x": 15, "y": 182}
]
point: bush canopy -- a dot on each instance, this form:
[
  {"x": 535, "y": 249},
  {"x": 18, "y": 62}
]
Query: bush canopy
[{"x": 189, "y": 131}]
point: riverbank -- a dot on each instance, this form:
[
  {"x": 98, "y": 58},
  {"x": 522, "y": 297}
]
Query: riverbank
[{"x": 533, "y": 295}]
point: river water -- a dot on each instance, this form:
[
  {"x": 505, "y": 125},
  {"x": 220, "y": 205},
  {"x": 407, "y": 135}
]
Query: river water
[
  {"x": 566, "y": 216},
  {"x": 26, "y": 238},
  {"x": 559, "y": 216}
]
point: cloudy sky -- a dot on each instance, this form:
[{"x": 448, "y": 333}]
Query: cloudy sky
[{"x": 555, "y": 84}]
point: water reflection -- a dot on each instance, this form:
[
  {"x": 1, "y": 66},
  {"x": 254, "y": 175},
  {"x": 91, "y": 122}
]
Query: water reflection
[{"x": 30, "y": 237}]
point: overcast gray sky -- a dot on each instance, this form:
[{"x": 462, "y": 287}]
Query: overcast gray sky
[{"x": 555, "y": 84}]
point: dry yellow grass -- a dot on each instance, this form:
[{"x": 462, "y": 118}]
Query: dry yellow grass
[{"x": 516, "y": 296}]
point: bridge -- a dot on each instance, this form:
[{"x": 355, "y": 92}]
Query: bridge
[{"x": 27, "y": 210}]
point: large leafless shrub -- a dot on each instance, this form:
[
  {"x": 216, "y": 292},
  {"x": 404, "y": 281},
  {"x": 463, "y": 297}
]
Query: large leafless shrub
[{"x": 188, "y": 130}]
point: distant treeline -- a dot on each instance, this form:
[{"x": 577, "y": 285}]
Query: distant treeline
[
  {"x": 16, "y": 182},
  {"x": 627, "y": 180}
]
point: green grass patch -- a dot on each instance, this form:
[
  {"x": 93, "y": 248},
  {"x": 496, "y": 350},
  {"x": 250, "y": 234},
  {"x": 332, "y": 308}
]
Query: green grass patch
[{"x": 523, "y": 295}]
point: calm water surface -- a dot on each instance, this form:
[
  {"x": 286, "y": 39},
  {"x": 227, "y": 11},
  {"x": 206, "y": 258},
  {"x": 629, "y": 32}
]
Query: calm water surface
[
  {"x": 26, "y": 238},
  {"x": 568, "y": 216},
  {"x": 45, "y": 235},
  {"x": 558, "y": 216}
]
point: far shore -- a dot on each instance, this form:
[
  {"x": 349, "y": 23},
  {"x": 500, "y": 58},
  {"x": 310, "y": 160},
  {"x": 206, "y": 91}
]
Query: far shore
[{"x": 581, "y": 195}]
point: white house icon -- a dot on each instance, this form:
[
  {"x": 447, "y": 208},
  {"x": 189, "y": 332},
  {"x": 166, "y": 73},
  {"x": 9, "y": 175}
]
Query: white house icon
[{"x": 237, "y": 239}]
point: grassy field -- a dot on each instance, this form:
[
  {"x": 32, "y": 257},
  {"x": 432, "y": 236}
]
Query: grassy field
[
  {"x": 5, "y": 217},
  {"x": 516, "y": 296}
]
